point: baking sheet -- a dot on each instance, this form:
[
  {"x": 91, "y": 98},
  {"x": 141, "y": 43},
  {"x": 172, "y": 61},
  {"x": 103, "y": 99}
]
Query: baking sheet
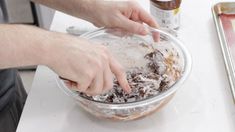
[{"x": 224, "y": 17}]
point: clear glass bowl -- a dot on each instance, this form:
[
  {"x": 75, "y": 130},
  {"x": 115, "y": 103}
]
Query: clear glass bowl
[{"x": 164, "y": 42}]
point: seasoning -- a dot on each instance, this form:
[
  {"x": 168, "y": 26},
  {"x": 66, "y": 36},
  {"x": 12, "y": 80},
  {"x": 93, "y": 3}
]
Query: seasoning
[{"x": 166, "y": 13}]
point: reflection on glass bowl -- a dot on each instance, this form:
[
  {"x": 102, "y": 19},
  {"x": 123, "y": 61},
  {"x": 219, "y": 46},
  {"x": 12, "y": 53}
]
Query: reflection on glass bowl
[{"x": 130, "y": 50}]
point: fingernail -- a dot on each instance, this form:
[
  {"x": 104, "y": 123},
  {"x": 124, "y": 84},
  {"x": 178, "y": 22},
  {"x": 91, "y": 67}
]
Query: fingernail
[
  {"x": 143, "y": 31},
  {"x": 128, "y": 88}
]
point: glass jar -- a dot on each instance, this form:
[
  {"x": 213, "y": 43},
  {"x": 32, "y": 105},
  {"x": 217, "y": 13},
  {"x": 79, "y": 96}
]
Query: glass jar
[{"x": 166, "y": 13}]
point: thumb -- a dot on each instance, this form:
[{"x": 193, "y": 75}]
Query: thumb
[{"x": 131, "y": 26}]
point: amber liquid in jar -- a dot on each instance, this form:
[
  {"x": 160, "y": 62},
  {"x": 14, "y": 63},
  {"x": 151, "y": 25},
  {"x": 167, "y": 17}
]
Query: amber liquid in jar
[{"x": 166, "y": 13}]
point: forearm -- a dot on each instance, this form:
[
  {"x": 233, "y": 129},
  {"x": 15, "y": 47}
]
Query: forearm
[
  {"x": 22, "y": 45},
  {"x": 77, "y": 8}
]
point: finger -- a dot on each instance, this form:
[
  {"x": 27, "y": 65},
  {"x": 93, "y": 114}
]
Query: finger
[
  {"x": 131, "y": 26},
  {"x": 82, "y": 86},
  {"x": 85, "y": 80},
  {"x": 138, "y": 21},
  {"x": 150, "y": 22},
  {"x": 74, "y": 86},
  {"x": 70, "y": 84},
  {"x": 96, "y": 85},
  {"x": 116, "y": 32},
  {"x": 116, "y": 68},
  {"x": 156, "y": 36},
  {"x": 108, "y": 79},
  {"x": 147, "y": 18},
  {"x": 89, "y": 91}
]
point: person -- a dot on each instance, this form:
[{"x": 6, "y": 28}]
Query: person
[{"x": 91, "y": 66}]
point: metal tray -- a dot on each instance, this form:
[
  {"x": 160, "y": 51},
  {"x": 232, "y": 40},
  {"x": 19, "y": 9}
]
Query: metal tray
[{"x": 224, "y": 18}]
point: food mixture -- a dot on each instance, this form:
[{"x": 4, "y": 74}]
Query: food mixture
[{"x": 144, "y": 82}]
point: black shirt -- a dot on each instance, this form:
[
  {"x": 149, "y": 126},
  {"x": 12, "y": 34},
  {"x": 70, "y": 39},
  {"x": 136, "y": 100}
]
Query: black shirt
[{"x": 7, "y": 86}]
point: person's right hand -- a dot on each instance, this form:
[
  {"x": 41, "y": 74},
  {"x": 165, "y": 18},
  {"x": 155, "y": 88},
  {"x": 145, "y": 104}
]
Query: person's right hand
[{"x": 90, "y": 66}]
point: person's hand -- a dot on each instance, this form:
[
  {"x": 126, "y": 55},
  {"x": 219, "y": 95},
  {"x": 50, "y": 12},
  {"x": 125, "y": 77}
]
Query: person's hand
[
  {"x": 124, "y": 14},
  {"x": 90, "y": 67},
  {"x": 127, "y": 15}
]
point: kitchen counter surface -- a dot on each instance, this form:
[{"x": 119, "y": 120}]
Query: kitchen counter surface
[{"x": 203, "y": 104}]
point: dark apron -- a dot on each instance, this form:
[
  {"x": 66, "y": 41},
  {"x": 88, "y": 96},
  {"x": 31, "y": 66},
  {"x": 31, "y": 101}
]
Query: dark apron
[{"x": 12, "y": 99}]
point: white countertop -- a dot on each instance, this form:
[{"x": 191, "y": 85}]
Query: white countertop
[{"x": 203, "y": 104}]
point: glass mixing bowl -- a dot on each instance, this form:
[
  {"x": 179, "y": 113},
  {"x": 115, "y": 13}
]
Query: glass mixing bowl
[{"x": 169, "y": 45}]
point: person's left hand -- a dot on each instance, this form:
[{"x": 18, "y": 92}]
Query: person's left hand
[{"x": 127, "y": 15}]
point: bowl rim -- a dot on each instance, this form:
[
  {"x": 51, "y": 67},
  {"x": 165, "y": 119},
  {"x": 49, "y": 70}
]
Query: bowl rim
[{"x": 171, "y": 90}]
